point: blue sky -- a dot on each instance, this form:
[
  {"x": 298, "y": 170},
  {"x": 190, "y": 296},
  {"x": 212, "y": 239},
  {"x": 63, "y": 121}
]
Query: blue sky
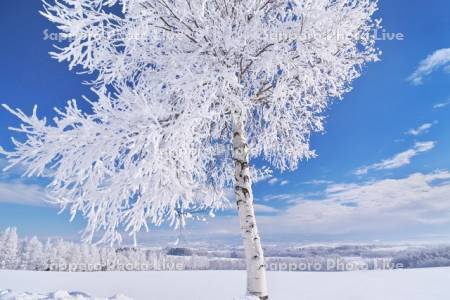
[{"x": 383, "y": 165}]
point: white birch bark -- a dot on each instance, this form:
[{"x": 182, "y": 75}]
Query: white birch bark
[{"x": 254, "y": 256}]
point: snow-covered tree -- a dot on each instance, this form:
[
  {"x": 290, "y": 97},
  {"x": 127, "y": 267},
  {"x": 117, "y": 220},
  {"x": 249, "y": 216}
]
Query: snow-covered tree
[
  {"x": 108, "y": 258},
  {"x": 50, "y": 258},
  {"x": 9, "y": 249},
  {"x": 62, "y": 255},
  {"x": 189, "y": 91},
  {"x": 32, "y": 255},
  {"x": 2, "y": 243}
]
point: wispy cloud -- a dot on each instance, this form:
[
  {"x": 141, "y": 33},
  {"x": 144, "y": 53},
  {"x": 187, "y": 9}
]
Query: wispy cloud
[
  {"x": 441, "y": 104},
  {"x": 17, "y": 192},
  {"x": 261, "y": 208},
  {"x": 273, "y": 181},
  {"x": 416, "y": 199},
  {"x": 399, "y": 160},
  {"x": 277, "y": 181},
  {"x": 371, "y": 208},
  {"x": 318, "y": 182},
  {"x": 278, "y": 197},
  {"x": 437, "y": 60},
  {"x": 424, "y": 128},
  {"x": 15, "y": 189}
]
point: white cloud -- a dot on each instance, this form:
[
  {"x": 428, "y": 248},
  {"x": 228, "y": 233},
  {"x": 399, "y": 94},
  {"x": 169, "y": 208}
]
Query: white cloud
[
  {"x": 273, "y": 181},
  {"x": 441, "y": 104},
  {"x": 261, "y": 208},
  {"x": 420, "y": 130},
  {"x": 277, "y": 181},
  {"x": 435, "y": 61},
  {"x": 278, "y": 197},
  {"x": 372, "y": 208},
  {"x": 17, "y": 192},
  {"x": 318, "y": 182},
  {"x": 417, "y": 199},
  {"x": 399, "y": 160}
]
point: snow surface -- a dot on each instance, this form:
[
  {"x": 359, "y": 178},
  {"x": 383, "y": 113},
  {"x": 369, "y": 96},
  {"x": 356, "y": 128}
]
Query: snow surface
[
  {"x": 411, "y": 284},
  {"x": 59, "y": 295}
]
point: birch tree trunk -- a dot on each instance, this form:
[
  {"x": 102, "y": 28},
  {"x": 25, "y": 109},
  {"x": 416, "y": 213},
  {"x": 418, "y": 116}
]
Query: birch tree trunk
[{"x": 254, "y": 256}]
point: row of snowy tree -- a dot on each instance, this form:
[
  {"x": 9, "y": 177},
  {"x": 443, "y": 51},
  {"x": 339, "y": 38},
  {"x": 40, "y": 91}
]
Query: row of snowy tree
[
  {"x": 424, "y": 257},
  {"x": 60, "y": 255}
]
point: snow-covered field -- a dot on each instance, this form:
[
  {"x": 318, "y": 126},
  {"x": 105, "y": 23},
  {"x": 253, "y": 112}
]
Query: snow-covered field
[{"x": 411, "y": 284}]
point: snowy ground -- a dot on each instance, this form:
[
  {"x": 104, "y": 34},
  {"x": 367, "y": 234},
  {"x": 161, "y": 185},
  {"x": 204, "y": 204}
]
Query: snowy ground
[
  {"x": 412, "y": 284},
  {"x": 58, "y": 295}
]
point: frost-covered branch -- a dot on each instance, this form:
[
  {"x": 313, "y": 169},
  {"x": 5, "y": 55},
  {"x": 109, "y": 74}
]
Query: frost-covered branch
[
  {"x": 122, "y": 164},
  {"x": 183, "y": 71},
  {"x": 279, "y": 62}
]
